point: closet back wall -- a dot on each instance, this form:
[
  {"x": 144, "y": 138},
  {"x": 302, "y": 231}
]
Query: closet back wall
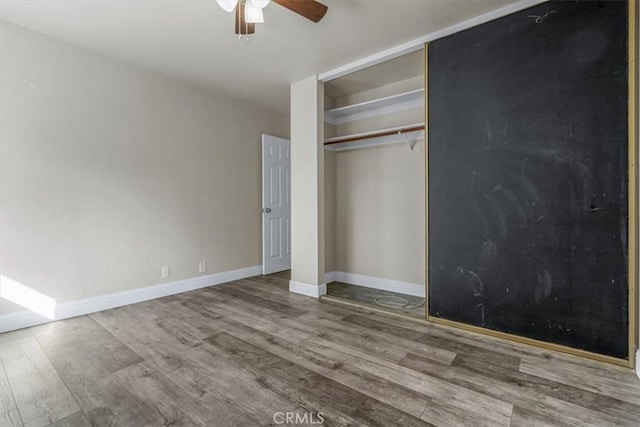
[
  {"x": 375, "y": 212},
  {"x": 110, "y": 172}
]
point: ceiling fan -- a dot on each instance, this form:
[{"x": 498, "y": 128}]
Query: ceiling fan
[{"x": 249, "y": 12}]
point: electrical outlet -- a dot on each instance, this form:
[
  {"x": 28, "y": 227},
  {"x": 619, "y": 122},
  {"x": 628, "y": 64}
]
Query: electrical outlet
[
  {"x": 202, "y": 266},
  {"x": 164, "y": 272}
]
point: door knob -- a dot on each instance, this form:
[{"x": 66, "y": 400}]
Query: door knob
[{"x": 267, "y": 210}]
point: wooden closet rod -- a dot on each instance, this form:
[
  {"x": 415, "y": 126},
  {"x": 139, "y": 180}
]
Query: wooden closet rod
[{"x": 375, "y": 135}]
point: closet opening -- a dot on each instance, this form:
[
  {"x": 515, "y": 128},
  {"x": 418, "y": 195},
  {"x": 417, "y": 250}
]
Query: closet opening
[{"x": 374, "y": 170}]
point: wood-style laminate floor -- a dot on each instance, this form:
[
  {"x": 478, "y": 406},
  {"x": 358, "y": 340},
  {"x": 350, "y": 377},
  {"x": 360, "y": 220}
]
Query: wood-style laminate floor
[
  {"x": 236, "y": 354},
  {"x": 387, "y": 301}
]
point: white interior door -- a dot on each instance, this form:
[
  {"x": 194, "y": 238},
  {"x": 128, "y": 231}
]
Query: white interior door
[{"x": 276, "y": 204}]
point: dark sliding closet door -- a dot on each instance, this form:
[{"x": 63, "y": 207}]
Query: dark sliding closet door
[{"x": 529, "y": 173}]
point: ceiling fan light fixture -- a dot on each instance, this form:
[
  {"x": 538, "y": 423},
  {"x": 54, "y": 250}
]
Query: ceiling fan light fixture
[
  {"x": 248, "y": 13},
  {"x": 252, "y": 14},
  {"x": 227, "y": 5},
  {"x": 259, "y": 3}
]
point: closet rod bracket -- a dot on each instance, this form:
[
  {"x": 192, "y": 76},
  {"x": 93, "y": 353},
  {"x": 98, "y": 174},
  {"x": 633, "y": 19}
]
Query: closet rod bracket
[{"x": 410, "y": 143}]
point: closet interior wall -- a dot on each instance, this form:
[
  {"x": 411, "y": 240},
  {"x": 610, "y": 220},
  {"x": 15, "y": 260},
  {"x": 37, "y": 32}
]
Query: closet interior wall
[{"x": 375, "y": 195}]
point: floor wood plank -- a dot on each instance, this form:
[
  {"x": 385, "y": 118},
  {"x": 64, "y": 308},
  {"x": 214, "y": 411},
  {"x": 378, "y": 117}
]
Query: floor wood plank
[
  {"x": 10, "y": 418},
  {"x": 80, "y": 346},
  {"x": 394, "y": 346},
  {"x": 311, "y": 391},
  {"x": 612, "y": 382},
  {"x": 7, "y": 401},
  {"x": 368, "y": 296},
  {"x": 235, "y": 354},
  {"x": 483, "y": 409},
  {"x": 552, "y": 402},
  {"x": 236, "y": 292},
  {"x": 230, "y": 384},
  {"x": 39, "y": 392},
  {"x": 256, "y": 286},
  {"x": 454, "y": 347},
  {"x": 293, "y": 383},
  {"x": 79, "y": 419},
  {"x": 527, "y": 418},
  {"x": 351, "y": 376},
  {"x": 171, "y": 405}
]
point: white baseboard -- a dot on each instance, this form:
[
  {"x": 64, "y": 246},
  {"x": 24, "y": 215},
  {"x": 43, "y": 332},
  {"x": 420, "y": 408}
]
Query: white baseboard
[
  {"x": 638, "y": 362},
  {"x": 407, "y": 288},
  {"x": 21, "y": 319},
  {"x": 65, "y": 310},
  {"x": 315, "y": 291},
  {"x": 330, "y": 277}
]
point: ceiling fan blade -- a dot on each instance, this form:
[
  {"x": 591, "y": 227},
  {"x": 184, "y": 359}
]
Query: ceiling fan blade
[
  {"x": 310, "y": 9},
  {"x": 242, "y": 26}
]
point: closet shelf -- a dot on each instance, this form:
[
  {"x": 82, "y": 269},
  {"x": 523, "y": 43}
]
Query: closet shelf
[
  {"x": 406, "y": 134},
  {"x": 377, "y": 107}
]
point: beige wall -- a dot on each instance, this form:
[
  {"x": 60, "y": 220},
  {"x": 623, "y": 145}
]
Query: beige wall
[
  {"x": 109, "y": 172},
  {"x": 375, "y": 197},
  {"x": 375, "y": 212},
  {"x": 307, "y": 182},
  {"x": 330, "y": 211}
]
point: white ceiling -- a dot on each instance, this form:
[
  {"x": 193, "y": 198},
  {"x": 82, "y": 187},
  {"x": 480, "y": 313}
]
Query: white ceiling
[{"x": 193, "y": 40}]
